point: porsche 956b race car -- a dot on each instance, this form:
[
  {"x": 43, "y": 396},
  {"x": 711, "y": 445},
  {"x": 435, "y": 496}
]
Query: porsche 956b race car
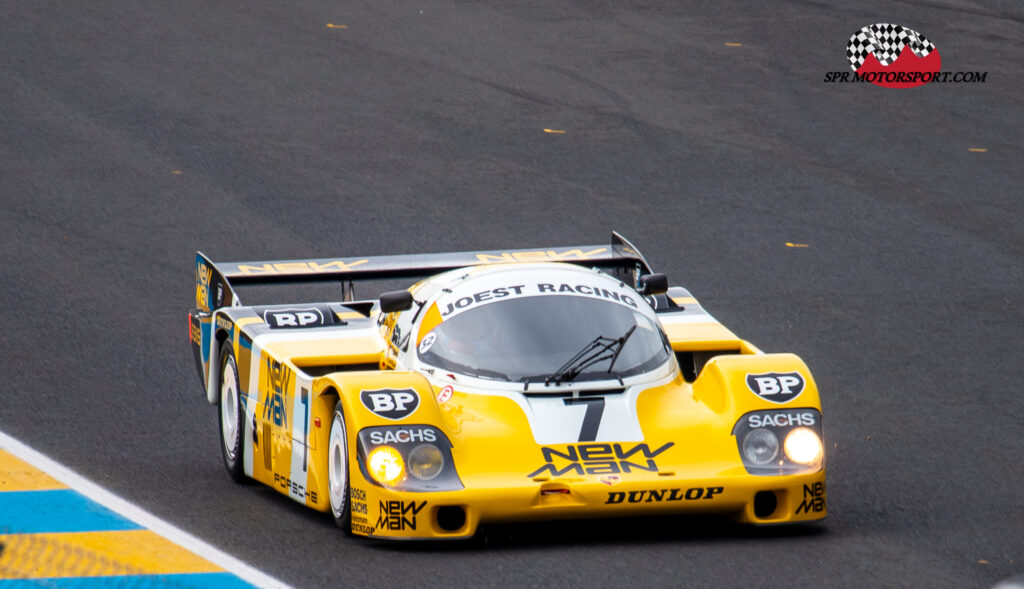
[{"x": 502, "y": 386}]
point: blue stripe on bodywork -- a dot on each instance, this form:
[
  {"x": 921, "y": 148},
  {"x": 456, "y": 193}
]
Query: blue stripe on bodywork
[
  {"x": 58, "y": 510},
  {"x": 196, "y": 580},
  {"x": 205, "y": 346}
]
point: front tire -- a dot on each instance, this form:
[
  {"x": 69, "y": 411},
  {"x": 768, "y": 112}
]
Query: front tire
[
  {"x": 337, "y": 470},
  {"x": 232, "y": 424}
]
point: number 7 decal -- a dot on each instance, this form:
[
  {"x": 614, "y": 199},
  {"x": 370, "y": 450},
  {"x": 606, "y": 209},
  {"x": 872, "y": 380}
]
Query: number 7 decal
[{"x": 591, "y": 419}]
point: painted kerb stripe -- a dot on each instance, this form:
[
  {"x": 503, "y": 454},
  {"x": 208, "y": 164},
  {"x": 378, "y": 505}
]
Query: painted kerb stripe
[{"x": 136, "y": 514}]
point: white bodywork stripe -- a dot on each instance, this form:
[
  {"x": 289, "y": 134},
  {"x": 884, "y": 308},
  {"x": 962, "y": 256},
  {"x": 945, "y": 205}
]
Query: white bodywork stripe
[
  {"x": 300, "y": 425},
  {"x": 315, "y": 334},
  {"x": 687, "y": 319},
  {"x": 252, "y": 400},
  {"x": 300, "y": 412},
  {"x": 554, "y": 422}
]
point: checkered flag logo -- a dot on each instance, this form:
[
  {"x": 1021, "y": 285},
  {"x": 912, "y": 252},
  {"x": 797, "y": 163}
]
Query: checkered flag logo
[{"x": 885, "y": 42}]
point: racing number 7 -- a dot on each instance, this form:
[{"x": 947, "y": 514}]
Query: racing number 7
[{"x": 591, "y": 419}]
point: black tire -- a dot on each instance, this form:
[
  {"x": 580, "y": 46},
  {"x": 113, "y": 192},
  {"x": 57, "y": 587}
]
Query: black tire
[
  {"x": 338, "y": 488},
  {"x": 230, "y": 415}
]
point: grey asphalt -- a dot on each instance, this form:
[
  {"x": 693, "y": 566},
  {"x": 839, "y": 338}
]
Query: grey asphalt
[{"x": 848, "y": 223}]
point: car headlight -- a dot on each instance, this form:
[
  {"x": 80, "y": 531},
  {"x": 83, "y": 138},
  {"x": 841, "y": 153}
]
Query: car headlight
[
  {"x": 760, "y": 446},
  {"x": 385, "y": 465},
  {"x": 803, "y": 446},
  {"x": 780, "y": 441},
  {"x": 426, "y": 462},
  {"x": 407, "y": 458}
]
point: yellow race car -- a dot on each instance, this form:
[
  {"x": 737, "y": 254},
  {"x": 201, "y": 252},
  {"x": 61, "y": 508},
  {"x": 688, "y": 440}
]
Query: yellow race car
[{"x": 502, "y": 386}]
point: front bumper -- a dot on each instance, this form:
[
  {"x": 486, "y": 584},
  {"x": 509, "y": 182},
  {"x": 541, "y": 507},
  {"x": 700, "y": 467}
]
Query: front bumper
[{"x": 384, "y": 513}]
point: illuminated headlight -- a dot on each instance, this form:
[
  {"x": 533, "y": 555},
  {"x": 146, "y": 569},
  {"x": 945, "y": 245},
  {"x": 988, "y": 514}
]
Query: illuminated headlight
[
  {"x": 775, "y": 442},
  {"x": 760, "y": 446},
  {"x": 408, "y": 457},
  {"x": 426, "y": 462},
  {"x": 803, "y": 446},
  {"x": 385, "y": 465}
]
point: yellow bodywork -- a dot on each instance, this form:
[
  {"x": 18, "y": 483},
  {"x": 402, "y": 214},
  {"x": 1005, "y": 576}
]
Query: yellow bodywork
[{"x": 688, "y": 460}]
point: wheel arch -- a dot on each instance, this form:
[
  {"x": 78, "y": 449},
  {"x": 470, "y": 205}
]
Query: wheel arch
[
  {"x": 347, "y": 387},
  {"x": 325, "y": 397},
  {"x": 213, "y": 379}
]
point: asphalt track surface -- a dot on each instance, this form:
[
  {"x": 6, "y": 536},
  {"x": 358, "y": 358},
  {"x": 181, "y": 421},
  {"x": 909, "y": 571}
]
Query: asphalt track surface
[{"x": 134, "y": 133}]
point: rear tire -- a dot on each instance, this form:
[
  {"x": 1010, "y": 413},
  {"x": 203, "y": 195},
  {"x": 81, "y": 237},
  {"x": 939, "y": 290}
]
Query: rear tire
[
  {"x": 232, "y": 424},
  {"x": 337, "y": 471}
]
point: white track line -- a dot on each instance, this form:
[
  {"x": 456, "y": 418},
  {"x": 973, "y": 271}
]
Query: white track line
[{"x": 136, "y": 513}]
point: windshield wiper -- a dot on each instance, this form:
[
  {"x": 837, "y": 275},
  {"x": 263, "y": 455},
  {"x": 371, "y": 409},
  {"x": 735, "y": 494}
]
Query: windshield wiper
[
  {"x": 621, "y": 344},
  {"x": 599, "y": 349}
]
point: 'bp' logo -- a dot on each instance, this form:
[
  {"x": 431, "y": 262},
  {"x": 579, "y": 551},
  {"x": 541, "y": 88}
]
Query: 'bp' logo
[
  {"x": 295, "y": 318},
  {"x": 776, "y": 387},
  {"x": 391, "y": 403}
]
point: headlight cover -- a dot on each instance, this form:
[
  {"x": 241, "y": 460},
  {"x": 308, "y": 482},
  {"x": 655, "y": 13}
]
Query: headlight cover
[
  {"x": 781, "y": 441},
  {"x": 385, "y": 465},
  {"x": 426, "y": 462},
  {"x": 760, "y": 446},
  {"x": 407, "y": 458},
  {"x": 803, "y": 446}
]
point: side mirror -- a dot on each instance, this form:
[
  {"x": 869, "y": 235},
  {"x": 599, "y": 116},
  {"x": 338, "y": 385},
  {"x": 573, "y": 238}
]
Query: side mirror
[
  {"x": 653, "y": 284},
  {"x": 398, "y": 300}
]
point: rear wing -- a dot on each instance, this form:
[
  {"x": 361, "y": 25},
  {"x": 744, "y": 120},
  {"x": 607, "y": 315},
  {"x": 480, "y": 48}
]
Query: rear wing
[{"x": 214, "y": 282}]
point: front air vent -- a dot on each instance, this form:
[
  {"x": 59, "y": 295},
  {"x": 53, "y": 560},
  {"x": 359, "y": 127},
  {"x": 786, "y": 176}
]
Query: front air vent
[
  {"x": 318, "y": 371},
  {"x": 691, "y": 363},
  {"x": 451, "y": 518},
  {"x": 765, "y": 504},
  {"x": 686, "y": 366},
  {"x": 571, "y": 394}
]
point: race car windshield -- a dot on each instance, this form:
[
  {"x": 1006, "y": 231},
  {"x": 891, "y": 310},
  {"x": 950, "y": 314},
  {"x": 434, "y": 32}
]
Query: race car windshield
[{"x": 540, "y": 338}]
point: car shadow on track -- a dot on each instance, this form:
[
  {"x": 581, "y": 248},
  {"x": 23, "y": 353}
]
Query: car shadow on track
[
  {"x": 638, "y": 530},
  {"x": 594, "y": 532}
]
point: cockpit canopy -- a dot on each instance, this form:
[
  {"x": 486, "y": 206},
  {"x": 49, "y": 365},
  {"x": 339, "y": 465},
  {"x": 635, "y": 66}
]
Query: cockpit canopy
[{"x": 548, "y": 337}]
